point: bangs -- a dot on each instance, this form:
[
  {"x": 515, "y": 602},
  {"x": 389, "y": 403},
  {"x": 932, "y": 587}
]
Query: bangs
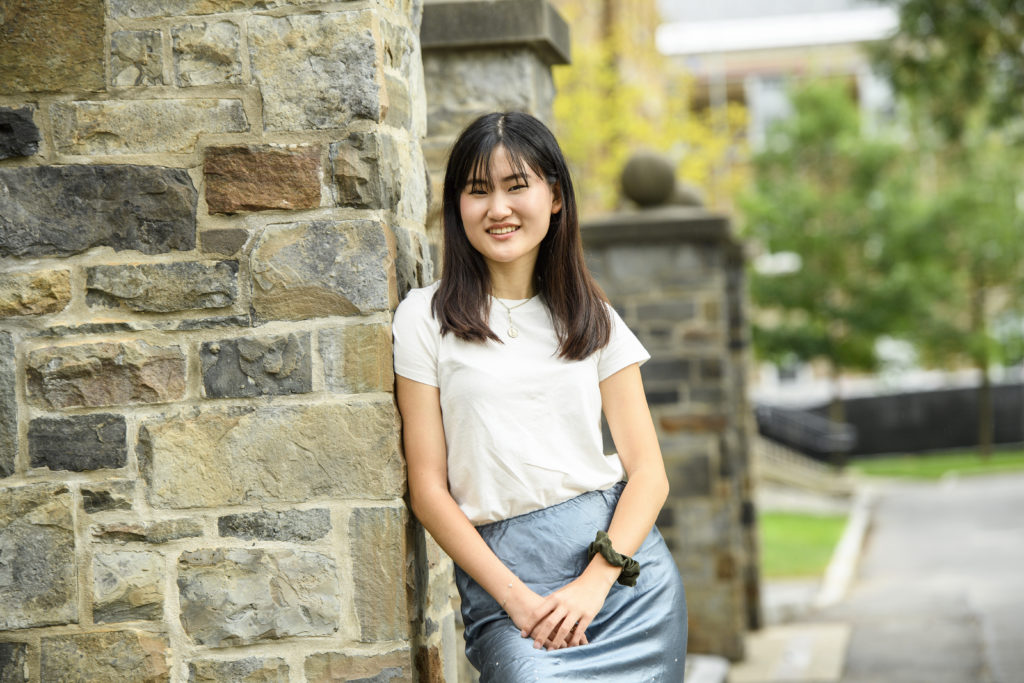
[{"x": 475, "y": 168}]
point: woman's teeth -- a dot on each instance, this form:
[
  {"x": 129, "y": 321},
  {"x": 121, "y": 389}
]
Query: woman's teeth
[{"x": 502, "y": 231}]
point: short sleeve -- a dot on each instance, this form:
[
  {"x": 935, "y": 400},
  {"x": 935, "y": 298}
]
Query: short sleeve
[
  {"x": 623, "y": 349},
  {"x": 417, "y": 337}
]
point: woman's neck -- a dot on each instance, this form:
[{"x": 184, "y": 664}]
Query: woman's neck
[{"x": 512, "y": 283}]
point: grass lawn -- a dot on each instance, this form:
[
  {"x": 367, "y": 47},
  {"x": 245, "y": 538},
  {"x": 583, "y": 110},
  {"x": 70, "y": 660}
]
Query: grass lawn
[
  {"x": 796, "y": 544},
  {"x": 934, "y": 466}
]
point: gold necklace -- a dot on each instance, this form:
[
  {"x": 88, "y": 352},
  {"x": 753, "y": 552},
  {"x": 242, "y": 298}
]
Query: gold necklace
[{"x": 513, "y": 331}]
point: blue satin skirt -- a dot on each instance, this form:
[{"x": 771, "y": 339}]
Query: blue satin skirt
[{"x": 639, "y": 634}]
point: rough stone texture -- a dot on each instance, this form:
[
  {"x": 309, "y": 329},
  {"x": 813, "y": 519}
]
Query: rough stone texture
[
  {"x": 377, "y": 547},
  {"x": 287, "y": 525},
  {"x": 8, "y": 407},
  {"x": 19, "y": 136},
  {"x": 414, "y": 265},
  {"x": 64, "y": 210},
  {"x": 143, "y": 531},
  {"x": 108, "y": 495},
  {"x": 163, "y": 287},
  {"x": 72, "y": 33},
  {"x": 136, "y": 58},
  {"x": 104, "y": 374},
  {"x": 215, "y": 323},
  {"x": 127, "y": 586},
  {"x": 256, "y": 367},
  {"x": 235, "y": 597},
  {"x": 317, "y": 70},
  {"x": 322, "y": 268},
  {"x": 329, "y": 667},
  {"x": 225, "y": 242},
  {"x": 250, "y": 178},
  {"x": 248, "y": 670},
  {"x": 14, "y": 662},
  {"x": 162, "y": 8},
  {"x": 367, "y": 171},
  {"x": 36, "y": 293},
  {"x": 108, "y": 656},
  {"x": 139, "y": 126},
  {"x": 38, "y": 578},
  {"x": 357, "y": 358},
  {"x": 79, "y": 443},
  {"x": 207, "y": 54},
  {"x": 275, "y": 453}
]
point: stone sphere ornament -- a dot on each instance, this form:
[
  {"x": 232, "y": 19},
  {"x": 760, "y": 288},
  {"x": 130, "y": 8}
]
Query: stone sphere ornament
[{"x": 648, "y": 179}]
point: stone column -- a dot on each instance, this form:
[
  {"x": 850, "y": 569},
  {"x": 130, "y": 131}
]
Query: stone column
[
  {"x": 208, "y": 211},
  {"x": 675, "y": 274}
]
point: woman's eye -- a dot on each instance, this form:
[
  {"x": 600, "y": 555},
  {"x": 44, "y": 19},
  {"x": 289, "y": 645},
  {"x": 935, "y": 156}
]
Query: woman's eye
[{"x": 517, "y": 187}]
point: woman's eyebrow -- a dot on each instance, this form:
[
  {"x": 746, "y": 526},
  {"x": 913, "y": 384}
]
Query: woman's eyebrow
[{"x": 514, "y": 176}]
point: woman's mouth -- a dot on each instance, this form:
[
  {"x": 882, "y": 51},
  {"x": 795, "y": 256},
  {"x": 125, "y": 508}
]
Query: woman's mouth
[{"x": 502, "y": 230}]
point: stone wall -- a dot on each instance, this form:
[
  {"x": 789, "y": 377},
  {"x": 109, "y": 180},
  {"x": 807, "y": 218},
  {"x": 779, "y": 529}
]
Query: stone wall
[
  {"x": 676, "y": 276},
  {"x": 208, "y": 211}
]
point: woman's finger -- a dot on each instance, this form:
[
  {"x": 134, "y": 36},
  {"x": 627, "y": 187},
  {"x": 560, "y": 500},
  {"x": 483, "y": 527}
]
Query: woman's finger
[
  {"x": 545, "y": 629},
  {"x": 561, "y": 635},
  {"x": 579, "y": 633}
]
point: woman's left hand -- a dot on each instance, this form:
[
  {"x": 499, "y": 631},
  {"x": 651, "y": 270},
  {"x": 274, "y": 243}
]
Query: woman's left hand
[{"x": 562, "y": 619}]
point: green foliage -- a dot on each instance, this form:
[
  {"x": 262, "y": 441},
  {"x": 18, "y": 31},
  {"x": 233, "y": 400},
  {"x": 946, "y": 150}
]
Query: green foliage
[{"x": 795, "y": 544}]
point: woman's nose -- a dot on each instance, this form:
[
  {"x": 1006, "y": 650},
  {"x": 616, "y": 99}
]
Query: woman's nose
[{"x": 498, "y": 207}]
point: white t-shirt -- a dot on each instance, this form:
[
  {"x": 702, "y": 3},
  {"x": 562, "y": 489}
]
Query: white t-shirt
[{"x": 522, "y": 426}]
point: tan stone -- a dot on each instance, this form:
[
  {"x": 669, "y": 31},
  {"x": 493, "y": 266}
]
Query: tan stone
[
  {"x": 377, "y": 548},
  {"x": 51, "y": 45},
  {"x": 159, "y": 8},
  {"x": 248, "y": 670},
  {"x": 248, "y": 178},
  {"x": 37, "y": 293},
  {"x": 358, "y": 358},
  {"x": 207, "y": 53},
  {"x": 104, "y": 374},
  {"x": 136, "y": 58},
  {"x": 331, "y": 667},
  {"x": 127, "y": 585},
  {"x": 108, "y": 656},
  {"x": 273, "y": 453},
  {"x": 147, "y": 531}
]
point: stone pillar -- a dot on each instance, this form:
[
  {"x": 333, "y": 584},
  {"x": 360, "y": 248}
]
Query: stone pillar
[
  {"x": 208, "y": 211},
  {"x": 675, "y": 274}
]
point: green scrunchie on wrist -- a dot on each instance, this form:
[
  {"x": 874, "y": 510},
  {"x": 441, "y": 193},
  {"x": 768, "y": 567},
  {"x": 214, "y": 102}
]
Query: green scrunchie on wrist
[{"x": 630, "y": 567}]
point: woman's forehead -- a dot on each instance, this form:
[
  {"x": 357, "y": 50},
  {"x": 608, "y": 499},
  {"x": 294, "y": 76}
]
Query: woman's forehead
[{"x": 499, "y": 164}]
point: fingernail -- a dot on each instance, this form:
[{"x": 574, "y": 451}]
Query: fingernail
[{"x": 536, "y": 645}]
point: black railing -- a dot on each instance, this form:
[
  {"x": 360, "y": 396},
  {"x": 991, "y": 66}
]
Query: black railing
[{"x": 805, "y": 431}]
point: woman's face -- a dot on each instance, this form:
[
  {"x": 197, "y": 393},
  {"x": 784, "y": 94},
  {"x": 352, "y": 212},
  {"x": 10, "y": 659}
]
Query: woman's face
[{"x": 507, "y": 215}]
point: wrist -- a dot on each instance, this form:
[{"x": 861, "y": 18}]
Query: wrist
[{"x": 603, "y": 571}]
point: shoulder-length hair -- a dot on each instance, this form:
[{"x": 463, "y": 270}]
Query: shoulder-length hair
[{"x": 462, "y": 301}]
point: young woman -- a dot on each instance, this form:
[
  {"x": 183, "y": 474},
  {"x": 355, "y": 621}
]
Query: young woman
[{"x": 503, "y": 368}]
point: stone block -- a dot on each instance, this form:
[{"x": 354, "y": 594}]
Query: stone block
[
  {"x": 269, "y": 525},
  {"x": 165, "y": 8},
  {"x": 8, "y": 407},
  {"x": 357, "y": 358},
  {"x": 108, "y": 656},
  {"x": 255, "y": 178},
  {"x": 105, "y": 374},
  {"x": 323, "y": 268},
  {"x": 377, "y": 549},
  {"x": 108, "y": 495},
  {"x": 414, "y": 265},
  {"x": 636, "y": 269},
  {"x": 163, "y": 287},
  {"x": 257, "y": 366},
  {"x": 38, "y": 575},
  {"x": 127, "y": 586},
  {"x": 52, "y": 46},
  {"x": 330, "y": 667},
  {"x": 64, "y": 210},
  {"x": 136, "y": 58},
  {"x": 142, "y": 126},
  {"x": 674, "y": 311},
  {"x": 147, "y": 531},
  {"x": 272, "y": 453},
  {"x": 207, "y": 53},
  {"x": 317, "y": 71},
  {"x": 693, "y": 423},
  {"x": 79, "y": 443},
  {"x": 215, "y": 322},
  {"x": 14, "y": 662},
  {"x": 37, "y": 293},
  {"x": 233, "y": 597},
  {"x": 711, "y": 369},
  {"x": 367, "y": 171},
  {"x": 399, "y": 103},
  {"x": 19, "y": 135},
  {"x": 224, "y": 242},
  {"x": 248, "y": 670},
  {"x": 662, "y": 370},
  {"x": 690, "y": 476}
]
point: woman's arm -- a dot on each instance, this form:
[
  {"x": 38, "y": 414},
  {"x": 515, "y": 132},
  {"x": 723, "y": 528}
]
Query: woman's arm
[{"x": 629, "y": 418}]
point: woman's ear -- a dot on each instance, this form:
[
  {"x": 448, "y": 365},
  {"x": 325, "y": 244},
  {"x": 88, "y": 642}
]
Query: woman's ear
[{"x": 556, "y": 202}]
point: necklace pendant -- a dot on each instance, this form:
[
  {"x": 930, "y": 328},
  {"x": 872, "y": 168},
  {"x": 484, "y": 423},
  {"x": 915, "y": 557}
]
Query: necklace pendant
[{"x": 513, "y": 331}]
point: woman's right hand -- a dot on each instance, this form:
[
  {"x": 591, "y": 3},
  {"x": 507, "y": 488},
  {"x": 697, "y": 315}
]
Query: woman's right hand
[{"x": 526, "y": 609}]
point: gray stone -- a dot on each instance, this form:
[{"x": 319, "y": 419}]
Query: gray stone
[
  {"x": 414, "y": 266},
  {"x": 79, "y": 443},
  {"x": 136, "y": 58},
  {"x": 690, "y": 476},
  {"x": 147, "y": 531},
  {"x": 322, "y": 268},
  {"x": 38, "y": 575},
  {"x": 248, "y": 670},
  {"x": 163, "y": 287},
  {"x": 62, "y": 331},
  {"x": 671, "y": 310},
  {"x": 108, "y": 495},
  {"x": 8, "y": 407},
  {"x": 648, "y": 178},
  {"x": 19, "y": 135},
  {"x": 271, "y": 454},
  {"x": 268, "y": 525},
  {"x": 141, "y": 126},
  {"x": 127, "y": 586},
  {"x": 215, "y": 323},
  {"x": 207, "y": 54},
  {"x": 108, "y": 656},
  {"x": 104, "y": 374},
  {"x": 224, "y": 242},
  {"x": 388, "y": 667},
  {"x": 367, "y": 171},
  {"x": 534, "y": 23},
  {"x": 164, "y": 8},
  {"x": 14, "y": 662},
  {"x": 64, "y": 210},
  {"x": 399, "y": 103},
  {"x": 233, "y": 597},
  {"x": 357, "y": 358},
  {"x": 256, "y": 367},
  {"x": 316, "y": 71},
  {"x": 377, "y": 548}
]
